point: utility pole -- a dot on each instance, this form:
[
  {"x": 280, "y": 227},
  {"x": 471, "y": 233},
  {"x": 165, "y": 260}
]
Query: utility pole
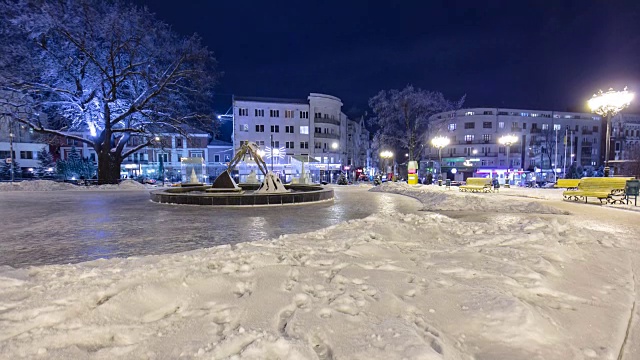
[
  {"x": 271, "y": 153},
  {"x": 555, "y": 164},
  {"x": 564, "y": 162}
]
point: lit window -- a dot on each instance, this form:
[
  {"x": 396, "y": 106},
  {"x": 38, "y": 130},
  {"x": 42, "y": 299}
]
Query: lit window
[
  {"x": 557, "y": 126},
  {"x": 545, "y": 126},
  {"x": 501, "y": 125},
  {"x": 469, "y": 113},
  {"x": 304, "y": 130},
  {"x": 452, "y": 127}
]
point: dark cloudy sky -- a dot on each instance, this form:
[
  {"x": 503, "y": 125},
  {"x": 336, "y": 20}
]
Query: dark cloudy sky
[{"x": 544, "y": 54}]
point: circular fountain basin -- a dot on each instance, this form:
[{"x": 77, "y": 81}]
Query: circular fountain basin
[{"x": 198, "y": 195}]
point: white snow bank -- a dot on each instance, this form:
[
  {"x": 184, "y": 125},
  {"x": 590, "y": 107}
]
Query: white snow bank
[
  {"x": 385, "y": 287},
  {"x": 438, "y": 198},
  {"x": 48, "y": 185}
]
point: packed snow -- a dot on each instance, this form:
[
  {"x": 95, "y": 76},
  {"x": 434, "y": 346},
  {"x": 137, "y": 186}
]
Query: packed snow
[
  {"x": 522, "y": 283},
  {"x": 48, "y": 185}
]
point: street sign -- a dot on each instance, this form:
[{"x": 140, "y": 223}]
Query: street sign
[{"x": 7, "y": 160}]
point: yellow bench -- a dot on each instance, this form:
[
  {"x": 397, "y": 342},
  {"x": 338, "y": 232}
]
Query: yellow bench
[
  {"x": 476, "y": 185},
  {"x": 569, "y": 184},
  {"x": 605, "y": 189}
]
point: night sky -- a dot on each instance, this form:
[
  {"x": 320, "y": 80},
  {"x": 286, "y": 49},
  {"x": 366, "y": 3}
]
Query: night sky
[{"x": 544, "y": 54}]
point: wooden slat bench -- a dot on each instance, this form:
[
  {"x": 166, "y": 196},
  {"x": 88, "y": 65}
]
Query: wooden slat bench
[
  {"x": 605, "y": 189},
  {"x": 569, "y": 184},
  {"x": 477, "y": 185}
]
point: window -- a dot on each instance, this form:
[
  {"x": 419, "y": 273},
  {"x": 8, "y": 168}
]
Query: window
[
  {"x": 318, "y": 115},
  {"x": 452, "y": 127},
  {"x": 545, "y": 126},
  {"x": 469, "y": 125},
  {"x": 501, "y": 125},
  {"x": 288, "y": 129},
  {"x": 276, "y": 144},
  {"x": 468, "y": 151},
  {"x": 244, "y": 127},
  {"x": 259, "y": 128},
  {"x": 259, "y": 143},
  {"x": 524, "y": 114},
  {"x": 318, "y": 130},
  {"x": 503, "y": 113},
  {"x": 468, "y": 138},
  {"x": 595, "y": 129},
  {"x": 26, "y": 155},
  {"x": 535, "y": 115},
  {"x": 483, "y": 162},
  {"x": 289, "y": 145},
  {"x": 304, "y": 130},
  {"x": 469, "y": 113},
  {"x": 501, "y": 149},
  {"x": 557, "y": 127},
  {"x": 259, "y": 112},
  {"x": 318, "y": 145},
  {"x": 288, "y": 114},
  {"x": 243, "y": 112},
  {"x": 274, "y": 113},
  {"x": 487, "y": 125},
  {"x": 486, "y": 138},
  {"x": 488, "y": 113},
  {"x": 178, "y": 142},
  {"x": 304, "y": 114},
  {"x": 304, "y": 144},
  {"x": 275, "y": 128},
  {"x": 514, "y": 125},
  {"x": 524, "y": 125},
  {"x": 216, "y": 158}
]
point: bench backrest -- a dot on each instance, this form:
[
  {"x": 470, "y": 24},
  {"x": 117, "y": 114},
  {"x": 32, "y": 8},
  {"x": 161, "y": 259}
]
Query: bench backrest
[
  {"x": 478, "y": 181},
  {"x": 603, "y": 183},
  {"x": 567, "y": 183}
]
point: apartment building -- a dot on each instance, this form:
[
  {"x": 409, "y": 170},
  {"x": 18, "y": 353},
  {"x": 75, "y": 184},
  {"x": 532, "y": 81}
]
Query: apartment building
[
  {"x": 313, "y": 131},
  {"x": 25, "y": 143},
  {"x": 548, "y": 142}
]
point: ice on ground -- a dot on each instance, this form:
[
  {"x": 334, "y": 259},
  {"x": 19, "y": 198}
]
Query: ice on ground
[
  {"x": 439, "y": 198},
  {"x": 48, "y": 185},
  {"x": 389, "y": 286}
]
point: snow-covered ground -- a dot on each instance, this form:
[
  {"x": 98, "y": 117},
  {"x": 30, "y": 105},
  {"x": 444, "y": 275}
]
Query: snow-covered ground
[
  {"x": 526, "y": 281},
  {"x": 48, "y": 185}
]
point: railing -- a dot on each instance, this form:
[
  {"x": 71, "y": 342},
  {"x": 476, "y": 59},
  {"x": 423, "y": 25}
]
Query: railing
[
  {"x": 327, "y": 121},
  {"x": 587, "y": 132},
  {"x": 327, "y": 136},
  {"x": 536, "y": 130}
]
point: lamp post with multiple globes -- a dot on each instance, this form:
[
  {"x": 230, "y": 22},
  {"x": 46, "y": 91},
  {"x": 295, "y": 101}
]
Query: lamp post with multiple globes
[
  {"x": 507, "y": 141},
  {"x": 385, "y": 155},
  {"x": 440, "y": 142},
  {"x": 608, "y": 104}
]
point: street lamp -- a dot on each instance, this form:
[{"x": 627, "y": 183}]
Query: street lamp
[
  {"x": 385, "y": 155},
  {"x": 439, "y": 142},
  {"x": 507, "y": 141},
  {"x": 608, "y": 104}
]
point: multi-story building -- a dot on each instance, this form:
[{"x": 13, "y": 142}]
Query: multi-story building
[
  {"x": 25, "y": 143},
  {"x": 624, "y": 154},
  {"x": 292, "y": 131},
  {"x": 548, "y": 142}
]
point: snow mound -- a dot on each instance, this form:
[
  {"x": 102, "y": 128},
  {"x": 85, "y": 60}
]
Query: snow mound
[
  {"x": 131, "y": 185},
  {"x": 37, "y": 185},
  {"x": 438, "y": 198}
]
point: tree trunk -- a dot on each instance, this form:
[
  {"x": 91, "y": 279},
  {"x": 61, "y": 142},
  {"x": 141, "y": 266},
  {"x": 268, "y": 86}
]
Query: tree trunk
[{"x": 108, "y": 168}]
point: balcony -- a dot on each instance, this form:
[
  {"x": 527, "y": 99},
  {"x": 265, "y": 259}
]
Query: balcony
[
  {"x": 536, "y": 130},
  {"x": 326, "y": 136},
  {"x": 587, "y": 132},
  {"x": 326, "y": 121}
]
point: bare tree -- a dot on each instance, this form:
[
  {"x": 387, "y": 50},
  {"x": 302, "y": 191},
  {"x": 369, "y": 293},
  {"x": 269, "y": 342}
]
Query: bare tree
[
  {"x": 107, "y": 68},
  {"x": 402, "y": 116},
  {"x": 545, "y": 141}
]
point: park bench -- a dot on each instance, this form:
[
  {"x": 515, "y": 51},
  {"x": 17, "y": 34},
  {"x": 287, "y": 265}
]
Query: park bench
[
  {"x": 605, "y": 189},
  {"x": 569, "y": 184},
  {"x": 477, "y": 185}
]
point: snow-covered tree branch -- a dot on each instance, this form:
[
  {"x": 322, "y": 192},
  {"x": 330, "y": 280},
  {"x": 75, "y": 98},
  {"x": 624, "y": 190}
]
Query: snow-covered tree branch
[{"x": 402, "y": 116}]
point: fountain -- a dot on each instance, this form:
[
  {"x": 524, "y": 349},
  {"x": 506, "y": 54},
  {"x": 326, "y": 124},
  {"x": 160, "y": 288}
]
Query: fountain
[{"x": 225, "y": 192}]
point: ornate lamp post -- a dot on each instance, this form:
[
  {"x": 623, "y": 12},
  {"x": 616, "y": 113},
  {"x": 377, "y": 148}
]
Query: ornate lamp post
[
  {"x": 608, "y": 104},
  {"x": 507, "y": 141},
  {"x": 439, "y": 142},
  {"x": 385, "y": 155}
]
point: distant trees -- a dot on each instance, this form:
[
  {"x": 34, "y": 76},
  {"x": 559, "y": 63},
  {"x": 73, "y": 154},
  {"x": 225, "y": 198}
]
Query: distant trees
[
  {"x": 5, "y": 169},
  {"x": 108, "y": 68},
  {"x": 545, "y": 142},
  {"x": 75, "y": 166},
  {"x": 402, "y": 116},
  {"x": 46, "y": 164}
]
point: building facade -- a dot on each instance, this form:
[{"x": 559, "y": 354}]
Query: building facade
[
  {"x": 26, "y": 146},
  {"x": 290, "y": 132},
  {"x": 624, "y": 154},
  {"x": 549, "y": 142}
]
